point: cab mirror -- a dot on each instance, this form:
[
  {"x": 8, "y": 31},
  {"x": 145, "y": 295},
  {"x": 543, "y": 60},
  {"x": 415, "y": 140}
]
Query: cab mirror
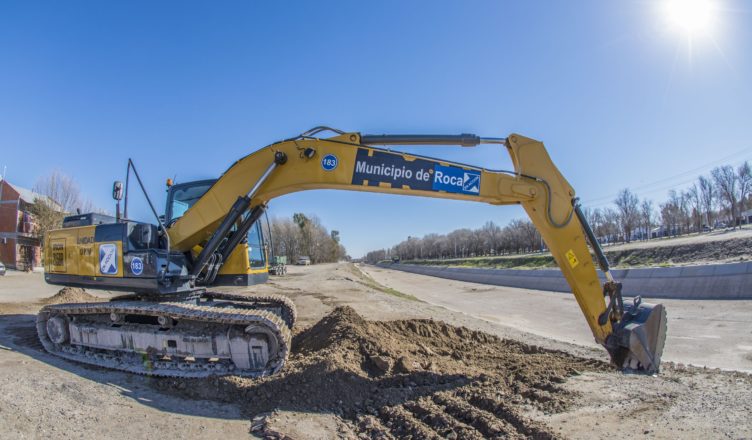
[{"x": 117, "y": 190}]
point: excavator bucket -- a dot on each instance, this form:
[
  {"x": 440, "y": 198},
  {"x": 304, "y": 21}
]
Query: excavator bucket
[
  {"x": 637, "y": 342},
  {"x": 639, "y": 329}
]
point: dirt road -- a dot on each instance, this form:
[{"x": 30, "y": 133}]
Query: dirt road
[
  {"x": 715, "y": 334},
  {"x": 43, "y": 397},
  {"x": 454, "y": 380}
]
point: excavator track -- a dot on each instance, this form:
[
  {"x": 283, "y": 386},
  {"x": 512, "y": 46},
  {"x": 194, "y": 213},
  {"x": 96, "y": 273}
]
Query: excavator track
[
  {"x": 279, "y": 304},
  {"x": 170, "y": 339}
]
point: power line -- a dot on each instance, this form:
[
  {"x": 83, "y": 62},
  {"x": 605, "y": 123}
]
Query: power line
[
  {"x": 704, "y": 167},
  {"x": 606, "y": 199},
  {"x": 660, "y": 188}
]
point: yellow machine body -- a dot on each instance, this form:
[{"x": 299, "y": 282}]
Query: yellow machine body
[
  {"x": 74, "y": 251},
  {"x": 205, "y": 242}
]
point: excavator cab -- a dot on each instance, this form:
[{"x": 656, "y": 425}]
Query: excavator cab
[
  {"x": 181, "y": 196},
  {"x": 248, "y": 262}
]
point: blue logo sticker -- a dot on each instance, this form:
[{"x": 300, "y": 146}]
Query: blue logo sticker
[
  {"x": 137, "y": 266},
  {"x": 108, "y": 259},
  {"x": 375, "y": 168},
  {"x": 456, "y": 180},
  {"x": 329, "y": 162}
]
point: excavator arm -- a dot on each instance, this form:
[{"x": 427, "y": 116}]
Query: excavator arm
[{"x": 633, "y": 334}]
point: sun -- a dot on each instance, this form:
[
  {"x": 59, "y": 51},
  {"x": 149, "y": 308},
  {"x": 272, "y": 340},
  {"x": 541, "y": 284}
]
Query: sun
[{"x": 691, "y": 17}]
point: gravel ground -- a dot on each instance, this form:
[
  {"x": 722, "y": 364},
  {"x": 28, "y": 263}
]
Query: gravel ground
[
  {"x": 571, "y": 394},
  {"x": 42, "y": 397}
]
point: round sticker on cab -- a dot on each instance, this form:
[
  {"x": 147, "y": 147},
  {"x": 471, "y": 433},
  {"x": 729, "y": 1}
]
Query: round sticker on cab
[
  {"x": 329, "y": 162},
  {"x": 137, "y": 266}
]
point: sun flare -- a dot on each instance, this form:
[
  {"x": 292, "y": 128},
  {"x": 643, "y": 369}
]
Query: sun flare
[{"x": 691, "y": 17}]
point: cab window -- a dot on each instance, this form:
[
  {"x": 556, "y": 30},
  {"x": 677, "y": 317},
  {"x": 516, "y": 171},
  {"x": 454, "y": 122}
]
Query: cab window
[
  {"x": 256, "y": 246},
  {"x": 183, "y": 197}
]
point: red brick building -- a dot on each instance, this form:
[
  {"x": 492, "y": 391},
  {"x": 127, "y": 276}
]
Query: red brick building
[{"x": 20, "y": 247}]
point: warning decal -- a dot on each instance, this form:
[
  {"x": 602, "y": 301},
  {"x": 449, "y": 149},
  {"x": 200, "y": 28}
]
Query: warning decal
[
  {"x": 58, "y": 255},
  {"x": 573, "y": 261}
]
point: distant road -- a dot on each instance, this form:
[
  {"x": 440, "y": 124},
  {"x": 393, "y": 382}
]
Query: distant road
[{"x": 710, "y": 281}]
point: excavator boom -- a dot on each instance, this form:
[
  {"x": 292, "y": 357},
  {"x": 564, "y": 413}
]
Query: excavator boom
[{"x": 210, "y": 230}]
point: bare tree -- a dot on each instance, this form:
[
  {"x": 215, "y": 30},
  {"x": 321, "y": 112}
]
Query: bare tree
[
  {"x": 646, "y": 216},
  {"x": 532, "y": 235},
  {"x": 285, "y": 236},
  {"x": 726, "y": 185},
  {"x": 674, "y": 213},
  {"x": 459, "y": 240},
  {"x": 668, "y": 218},
  {"x": 596, "y": 220},
  {"x": 492, "y": 236},
  {"x": 744, "y": 174},
  {"x": 61, "y": 189},
  {"x": 610, "y": 224},
  {"x": 694, "y": 198},
  {"x": 707, "y": 194},
  {"x": 629, "y": 214},
  {"x": 685, "y": 211},
  {"x": 60, "y": 196},
  {"x": 428, "y": 247},
  {"x": 591, "y": 216}
]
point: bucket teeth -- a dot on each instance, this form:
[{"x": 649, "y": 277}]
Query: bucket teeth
[{"x": 638, "y": 340}]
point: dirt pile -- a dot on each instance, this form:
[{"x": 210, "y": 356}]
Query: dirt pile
[
  {"x": 71, "y": 295},
  {"x": 419, "y": 378}
]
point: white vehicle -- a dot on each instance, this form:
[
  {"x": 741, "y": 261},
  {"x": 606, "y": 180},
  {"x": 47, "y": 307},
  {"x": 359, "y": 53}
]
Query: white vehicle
[{"x": 304, "y": 261}]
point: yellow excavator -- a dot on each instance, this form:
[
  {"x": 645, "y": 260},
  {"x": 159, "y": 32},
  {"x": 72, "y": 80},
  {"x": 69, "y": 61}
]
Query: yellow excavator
[{"x": 172, "y": 324}]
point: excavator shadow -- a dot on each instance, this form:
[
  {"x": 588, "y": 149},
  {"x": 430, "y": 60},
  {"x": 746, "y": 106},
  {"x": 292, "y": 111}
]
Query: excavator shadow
[
  {"x": 18, "y": 338},
  {"x": 309, "y": 386}
]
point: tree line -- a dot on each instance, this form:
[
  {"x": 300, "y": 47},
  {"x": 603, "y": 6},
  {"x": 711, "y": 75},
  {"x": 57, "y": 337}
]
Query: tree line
[
  {"x": 716, "y": 200},
  {"x": 519, "y": 236},
  {"x": 304, "y": 235},
  {"x": 712, "y": 201}
]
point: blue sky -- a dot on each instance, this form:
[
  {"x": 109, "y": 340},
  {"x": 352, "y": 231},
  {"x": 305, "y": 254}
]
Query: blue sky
[{"x": 186, "y": 88}]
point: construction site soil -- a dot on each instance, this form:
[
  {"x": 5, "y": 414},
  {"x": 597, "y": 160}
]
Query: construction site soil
[
  {"x": 367, "y": 363},
  {"x": 71, "y": 295},
  {"x": 418, "y": 378}
]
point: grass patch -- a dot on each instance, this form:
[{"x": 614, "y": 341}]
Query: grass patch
[
  {"x": 366, "y": 280},
  {"x": 505, "y": 262}
]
